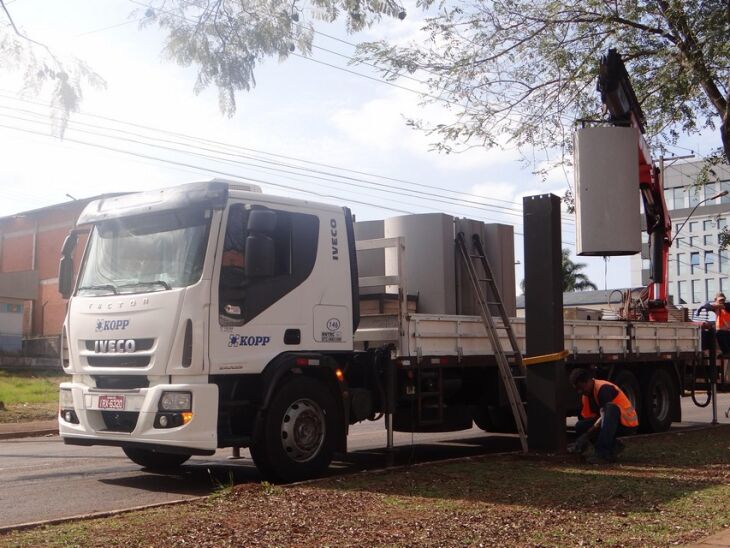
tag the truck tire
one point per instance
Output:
(296, 438)
(153, 460)
(659, 395)
(496, 419)
(629, 385)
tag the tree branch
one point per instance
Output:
(23, 36)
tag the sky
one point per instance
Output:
(301, 121)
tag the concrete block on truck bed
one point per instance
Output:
(429, 257)
(607, 191)
(498, 242)
(370, 262)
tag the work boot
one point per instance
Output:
(618, 448)
(597, 460)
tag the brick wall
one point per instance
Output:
(48, 227)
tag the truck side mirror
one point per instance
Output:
(260, 256)
(261, 220)
(66, 266)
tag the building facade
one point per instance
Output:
(698, 268)
(31, 309)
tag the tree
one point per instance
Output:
(573, 278)
(516, 70)
(525, 70)
(42, 69)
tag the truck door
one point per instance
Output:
(266, 293)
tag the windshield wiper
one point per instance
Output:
(152, 283)
(107, 287)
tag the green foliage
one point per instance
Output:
(573, 278)
(227, 39)
(45, 73)
(29, 387)
(524, 70)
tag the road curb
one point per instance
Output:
(28, 434)
(94, 515)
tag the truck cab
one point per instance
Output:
(192, 308)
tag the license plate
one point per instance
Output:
(111, 402)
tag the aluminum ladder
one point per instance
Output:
(510, 364)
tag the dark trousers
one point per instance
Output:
(611, 428)
(723, 341)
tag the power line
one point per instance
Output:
(225, 173)
(110, 27)
(300, 160)
(459, 201)
(390, 190)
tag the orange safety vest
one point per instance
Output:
(629, 419)
(722, 320)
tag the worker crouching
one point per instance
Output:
(605, 414)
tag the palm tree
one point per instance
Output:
(573, 278)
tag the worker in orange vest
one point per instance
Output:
(605, 413)
(722, 323)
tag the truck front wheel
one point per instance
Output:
(295, 440)
(153, 460)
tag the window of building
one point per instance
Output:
(710, 190)
(679, 242)
(723, 285)
(693, 226)
(669, 198)
(709, 289)
(679, 196)
(725, 185)
(722, 261)
(709, 261)
(708, 225)
(694, 261)
(721, 223)
(694, 197)
(708, 239)
(681, 258)
(681, 292)
(696, 291)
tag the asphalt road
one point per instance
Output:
(44, 479)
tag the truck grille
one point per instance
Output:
(122, 360)
(140, 344)
(121, 382)
(120, 421)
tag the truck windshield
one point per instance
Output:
(145, 253)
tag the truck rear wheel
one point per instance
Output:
(659, 393)
(296, 438)
(496, 419)
(153, 460)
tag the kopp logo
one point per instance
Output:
(111, 325)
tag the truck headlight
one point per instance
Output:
(176, 401)
(66, 399)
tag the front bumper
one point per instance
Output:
(199, 436)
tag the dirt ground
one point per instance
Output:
(669, 489)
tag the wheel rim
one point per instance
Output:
(303, 429)
(660, 401)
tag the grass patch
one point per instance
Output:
(670, 489)
(29, 396)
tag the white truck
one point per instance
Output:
(211, 315)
